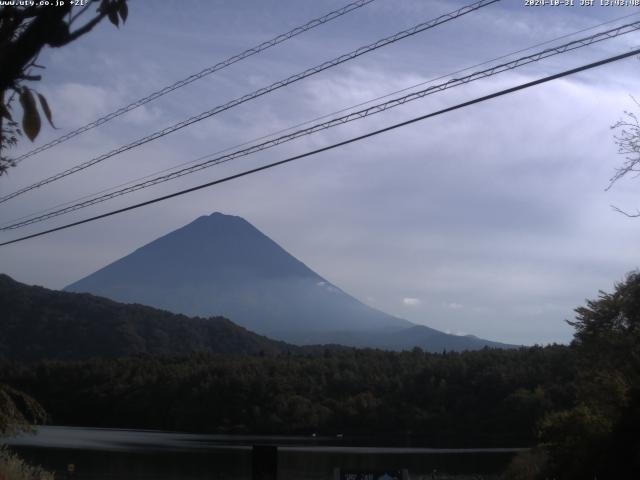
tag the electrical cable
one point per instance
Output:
(372, 110)
(197, 76)
(322, 117)
(333, 146)
(274, 86)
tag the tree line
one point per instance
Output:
(577, 406)
(481, 398)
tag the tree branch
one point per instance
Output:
(19, 53)
(626, 214)
(80, 12)
(84, 29)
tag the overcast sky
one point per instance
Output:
(492, 220)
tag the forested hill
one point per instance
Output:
(37, 323)
(488, 397)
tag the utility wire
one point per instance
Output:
(335, 145)
(322, 117)
(274, 86)
(372, 110)
(197, 76)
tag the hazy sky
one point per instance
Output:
(492, 220)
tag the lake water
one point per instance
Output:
(107, 454)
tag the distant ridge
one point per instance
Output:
(37, 323)
(222, 265)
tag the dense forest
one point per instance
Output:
(577, 405)
(488, 397)
(39, 323)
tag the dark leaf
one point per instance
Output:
(30, 117)
(123, 9)
(45, 108)
(113, 17)
(4, 112)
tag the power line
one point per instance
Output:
(335, 145)
(322, 117)
(274, 86)
(197, 76)
(372, 110)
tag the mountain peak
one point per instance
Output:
(222, 215)
(219, 217)
(222, 265)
